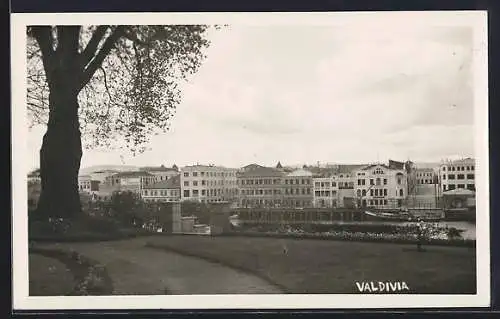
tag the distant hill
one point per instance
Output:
(96, 168)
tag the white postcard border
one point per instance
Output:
(21, 300)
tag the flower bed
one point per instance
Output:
(90, 277)
(403, 237)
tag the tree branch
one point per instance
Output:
(96, 62)
(43, 36)
(91, 48)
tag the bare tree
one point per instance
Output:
(111, 83)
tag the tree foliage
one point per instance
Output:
(129, 77)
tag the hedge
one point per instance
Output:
(91, 278)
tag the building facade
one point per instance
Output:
(163, 191)
(133, 181)
(298, 189)
(458, 174)
(325, 192)
(426, 176)
(208, 184)
(260, 186)
(380, 186)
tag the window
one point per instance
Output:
(186, 174)
(186, 193)
(195, 193)
(303, 191)
(470, 176)
(400, 192)
(471, 187)
(385, 201)
(309, 191)
(444, 176)
(444, 168)
(145, 193)
(202, 174)
(385, 192)
(203, 192)
(303, 181)
(195, 183)
(460, 176)
(472, 168)
(363, 192)
(371, 181)
(461, 185)
(203, 182)
(444, 188)
(378, 181)
(195, 174)
(359, 182)
(451, 176)
(186, 183)
(316, 184)
(385, 181)
(371, 192)
(376, 192)
(451, 187)
(334, 184)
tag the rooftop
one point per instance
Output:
(257, 170)
(161, 168)
(300, 172)
(467, 160)
(173, 182)
(132, 174)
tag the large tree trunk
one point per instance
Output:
(61, 152)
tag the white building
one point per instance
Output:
(458, 174)
(102, 175)
(380, 186)
(208, 184)
(133, 181)
(34, 177)
(325, 192)
(163, 191)
(84, 183)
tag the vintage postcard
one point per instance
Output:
(250, 160)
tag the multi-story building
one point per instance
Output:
(162, 173)
(260, 186)
(426, 176)
(458, 174)
(208, 184)
(325, 192)
(298, 189)
(163, 191)
(34, 176)
(87, 185)
(380, 186)
(133, 181)
(345, 184)
(102, 175)
(426, 191)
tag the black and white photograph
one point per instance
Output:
(250, 160)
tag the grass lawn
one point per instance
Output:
(322, 266)
(49, 277)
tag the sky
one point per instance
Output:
(308, 94)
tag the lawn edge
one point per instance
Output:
(81, 267)
(282, 288)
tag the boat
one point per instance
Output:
(398, 215)
(402, 216)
